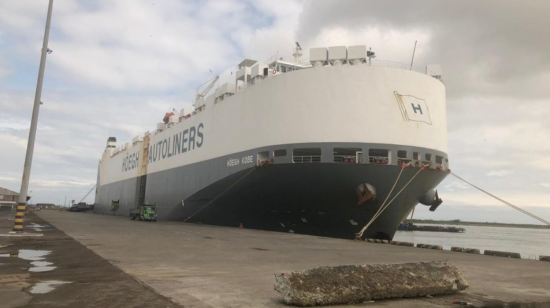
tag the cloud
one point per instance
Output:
(116, 68)
(493, 53)
(477, 198)
(499, 173)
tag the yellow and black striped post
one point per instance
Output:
(18, 224)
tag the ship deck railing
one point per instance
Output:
(380, 63)
(400, 65)
(347, 159)
(307, 159)
(379, 160)
(401, 161)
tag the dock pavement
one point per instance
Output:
(195, 265)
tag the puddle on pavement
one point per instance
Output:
(33, 255)
(29, 255)
(38, 227)
(41, 266)
(39, 269)
(37, 257)
(41, 263)
(46, 286)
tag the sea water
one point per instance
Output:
(530, 243)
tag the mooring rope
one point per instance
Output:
(384, 206)
(223, 192)
(503, 201)
(391, 190)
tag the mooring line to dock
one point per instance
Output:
(223, 192)
(384, 206)
(503, 201)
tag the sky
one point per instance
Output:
(117, 66)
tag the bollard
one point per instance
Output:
(505, 254)
(18, 221)
(544, 258)
(472, 250)
(458, 249)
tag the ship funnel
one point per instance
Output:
(111, 142)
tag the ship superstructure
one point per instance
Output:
(310, 148)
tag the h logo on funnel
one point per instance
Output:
(413, 108)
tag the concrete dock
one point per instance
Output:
(207, 266)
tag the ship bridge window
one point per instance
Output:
(379, 156)
(348, 155)
(416, 156)
(306, 155)
(279, 153)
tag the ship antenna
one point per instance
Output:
(297, 53)
(413, 55)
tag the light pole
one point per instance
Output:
(18, 225)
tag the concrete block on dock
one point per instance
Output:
(505, 254)
(408, 244)
(472, 250)
(370, 240)
(458, 249)
(352, 284)
(544, 258)
(429, 246)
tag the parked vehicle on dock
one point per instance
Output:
(81, 207)
(146, 212)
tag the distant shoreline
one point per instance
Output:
(471, 223)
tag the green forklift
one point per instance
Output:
(145, 212)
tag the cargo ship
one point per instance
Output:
(322, 147)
